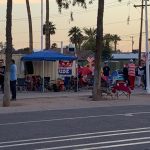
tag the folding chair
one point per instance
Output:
(121, 88)
(21, 84)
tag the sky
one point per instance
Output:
(115, 22)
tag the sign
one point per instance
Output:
(65, 71)
(71, 48)
(65, 67)
(90, 59)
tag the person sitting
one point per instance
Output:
(106, 71)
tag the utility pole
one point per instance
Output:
(132, 42)
(146, 42)
(147, 50)
(141, 28)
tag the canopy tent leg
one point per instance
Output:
(77, 75)
(43, 76)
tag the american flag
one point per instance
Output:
(90, 59)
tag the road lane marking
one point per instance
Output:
(73, 139)
(73, 118)
(101, 143)
(146, 129)
(112, 146)
(129, 115)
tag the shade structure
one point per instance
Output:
(47, 55)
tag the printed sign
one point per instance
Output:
(65, 68)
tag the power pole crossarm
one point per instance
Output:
(140, 5)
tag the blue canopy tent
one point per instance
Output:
(47, 55)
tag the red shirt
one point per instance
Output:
(131, 69)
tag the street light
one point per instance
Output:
(147, 50)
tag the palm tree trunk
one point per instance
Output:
(47, 35)
(115, 45)
(8, 53)
(30, 27)
(99, 48)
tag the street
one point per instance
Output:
(111, 128)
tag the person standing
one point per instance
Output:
(125, 73)
(13, 79)
(144, 75)
(139, 75)
(2, 74)
(131, 74)
(106, 71)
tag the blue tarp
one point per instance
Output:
(47, 55)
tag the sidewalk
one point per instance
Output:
(36, 101)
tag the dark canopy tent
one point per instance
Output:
(47, 55)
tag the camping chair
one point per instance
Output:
(21, 84)
(105, 88)
(121, 89)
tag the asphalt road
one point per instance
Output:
(111, 128)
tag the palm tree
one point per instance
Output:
(89, 39)
(8, 53)
(99, 48)
(89, 33)
(116, 38)
(30, 27)
(54, 46)
(108, 39)
(80, 39)
(51, 28)
(75, 34)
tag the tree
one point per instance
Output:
(51, 28)
(99, 41)
(80, 39)
(89, 39)
(115, 39)
(54, 46)
(108, 39)
(8, 53)
(106, 53)
(30, 27)
(99, 48)
(76, 36)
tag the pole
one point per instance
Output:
(140, 38)
(132, 42)
(141, 27)
(62, 47)
(42, 39)
(147, 50)
(76, 67)
(41, 25)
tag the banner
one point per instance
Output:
(65, 67)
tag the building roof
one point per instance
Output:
(125, 56)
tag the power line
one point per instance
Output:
(64, 15)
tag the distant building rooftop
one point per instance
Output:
(125, 56)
